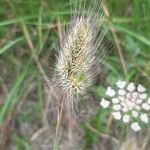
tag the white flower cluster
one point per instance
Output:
(129, 103)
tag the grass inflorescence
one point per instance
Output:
(77, 63)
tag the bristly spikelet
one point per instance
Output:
(77, 62)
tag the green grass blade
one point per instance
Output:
(133, 34)
(10, 44)
(13, 21)
(12, 97)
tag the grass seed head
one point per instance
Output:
(77, 62)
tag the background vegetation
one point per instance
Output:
(29, 40)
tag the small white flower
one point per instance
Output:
(135, 114)
(126, 118)
(130, 105)
(137, 107)
(148, 101)
(116, 107)
(123, 104)
(121, 92)
(143, 96)
(146, 106)
(121, 98)
(139, 101)
(144, 118)
(135, 126)
(141, 88)
(129, 95)
(116, 115)
(131, 87)
(121, 84)
(110, 92)
(104, 103)
(115, 100)
(134, 95)
(125, 109)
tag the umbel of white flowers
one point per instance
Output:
(129, 103)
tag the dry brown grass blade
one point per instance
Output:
(130, 144)
(31, 46)
(59, 117)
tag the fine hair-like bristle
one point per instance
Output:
(77, 62)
